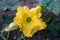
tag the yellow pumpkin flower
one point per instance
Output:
(29, 20)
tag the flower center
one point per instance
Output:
(28, 19)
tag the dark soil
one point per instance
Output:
(40, 35)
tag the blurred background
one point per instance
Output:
(8, 11)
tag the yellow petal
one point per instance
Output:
(39, 23)
(25, 8)
(35, 12)
(19, 9)
(38, 10)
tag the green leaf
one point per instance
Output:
(43, 7)
(3, 38)
(53, 5)
(3, 28)
(8, 35)
(8, 19)
(9, 4)
(16, 5)
(55, 27)
(22, 37)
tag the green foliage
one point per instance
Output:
(10, 4)
(16, 5)
(53, 5)
(52, 24)
(8, 19)
(43, 7)
(2, 31)
(3, 28)
(54, 27)
(22, 37)
(47, 17)
(3, 37)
